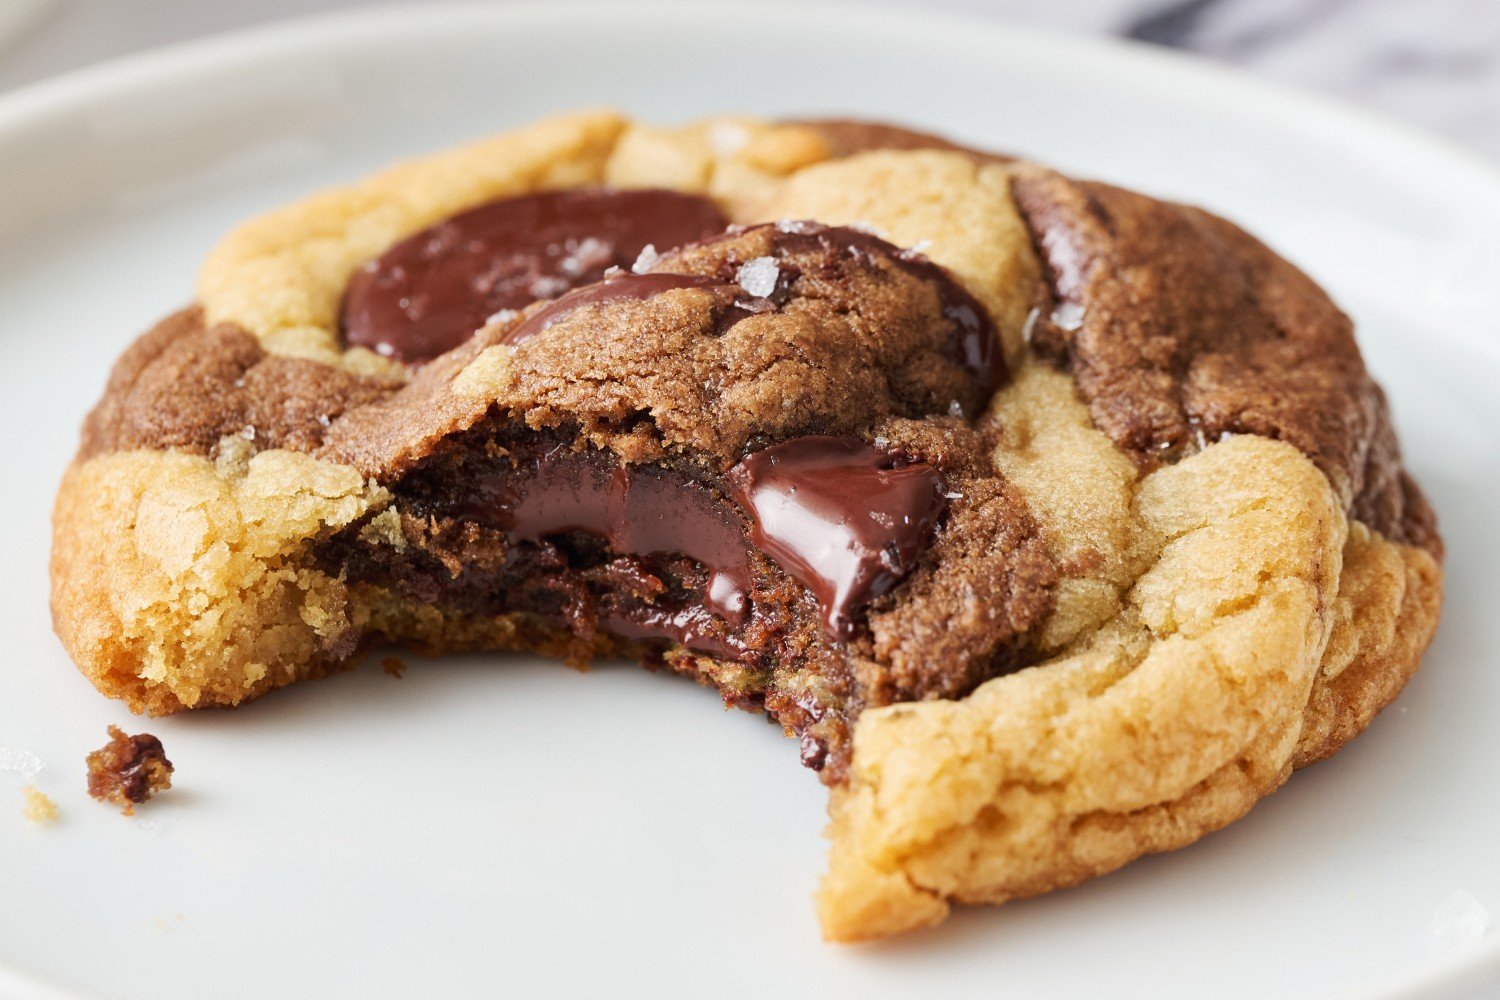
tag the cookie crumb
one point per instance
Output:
(128, 770)
(38, 808)
(393, 666)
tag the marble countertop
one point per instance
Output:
(1435, 63)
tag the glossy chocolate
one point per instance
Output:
(637, 510)
(430, 292)
(845, 519)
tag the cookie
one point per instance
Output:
(1056, 523)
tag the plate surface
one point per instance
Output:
(493, 824)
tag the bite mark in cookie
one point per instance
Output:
(638, 466)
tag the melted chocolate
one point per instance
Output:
(845, 519)
(430, 292)
(637, 510)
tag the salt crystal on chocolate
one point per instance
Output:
(646, 260)
(547, 286)
(1068, 316)
(586, 255)
(758, 277)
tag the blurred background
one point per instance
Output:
(1434, 63)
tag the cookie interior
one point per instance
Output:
(745, 541)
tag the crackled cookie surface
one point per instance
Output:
(1058, 524)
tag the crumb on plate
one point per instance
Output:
(38, 808)
(128, 769)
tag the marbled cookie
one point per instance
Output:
(1058, 524)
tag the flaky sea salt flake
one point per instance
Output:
(758, 277)
(547, 286)
(587, 254)
(646, 260)
(1067, 315)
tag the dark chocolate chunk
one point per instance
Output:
(635, 509)
(846, 519)
(430, 292)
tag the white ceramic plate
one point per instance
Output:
(493, 825)
(17, 17)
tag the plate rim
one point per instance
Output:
(21, 106)
(230, 51)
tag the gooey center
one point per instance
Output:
(770, 568)
(844, 519)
